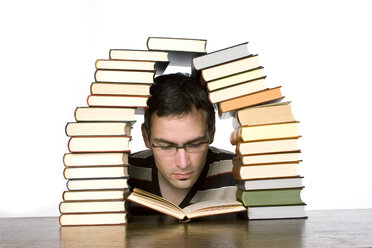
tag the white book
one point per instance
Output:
(290, 182)
(276, 212)
(221, 56)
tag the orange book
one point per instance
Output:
(253, 99)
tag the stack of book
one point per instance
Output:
(96, 165)
(265, 132)
(235, 79)
(181, 52)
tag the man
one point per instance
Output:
(179, 126)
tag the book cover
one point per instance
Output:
(115, 64)
(95, 172)
(127, 101)
(261, 171)
(98, 129)
(270, 183)
(92, 219)
(124, 76)
(235, 79)
(277, 212)
(230, 68)
(97, 183)
(90, 195)
(95, 159)
(105, 114)
(265, 132)
(270, 197)
(267, 146)
(92, 206)
(264, 96)
(176, 44)
(138, 89)
(264, 114)
(237, 90)
(144, 55)
(99, 144)
(221, 56)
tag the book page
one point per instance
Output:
(156, 202)
(213, 207)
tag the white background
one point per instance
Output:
(319, 51)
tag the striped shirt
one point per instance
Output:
(214, 183)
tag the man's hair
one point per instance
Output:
(177, 94)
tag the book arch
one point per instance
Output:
(264, 130)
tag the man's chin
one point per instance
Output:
(183, 184)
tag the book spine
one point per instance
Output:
(236, 171)
(235, 136)
(237, 161)
(91, 88)
(235, 121)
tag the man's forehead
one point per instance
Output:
(180, 128)
(199, 114)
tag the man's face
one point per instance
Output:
(181, 170)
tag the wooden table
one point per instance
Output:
(323, 228)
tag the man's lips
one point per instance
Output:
(182, 176)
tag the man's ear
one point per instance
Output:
(145, 136)
(211, 138)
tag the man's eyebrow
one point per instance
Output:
(188, 142)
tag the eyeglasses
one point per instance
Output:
(170, 150)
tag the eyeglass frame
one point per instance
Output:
(181, 147)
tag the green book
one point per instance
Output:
(272, 197)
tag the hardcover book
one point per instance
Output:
(249, 100)
(92, 219)
(237, 90)
(88, 195)
(230, 68)
(267, 147)
(98, 129)
(263, 114)
(104, 114)
(139, 89)
(277, 212)
(95, 172)
(99, 144)
(95, 158)
(97, 183)
(92, 206)
(261, 171)
(117, 101)
(135, 65)
(265, 132)
(271, 183)
(128, 54)
(177, 44)
(235, 79)
(121, 76)
(221, 56)
(270, 197)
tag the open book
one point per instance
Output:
(199, 209)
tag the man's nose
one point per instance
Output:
(182, 158)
